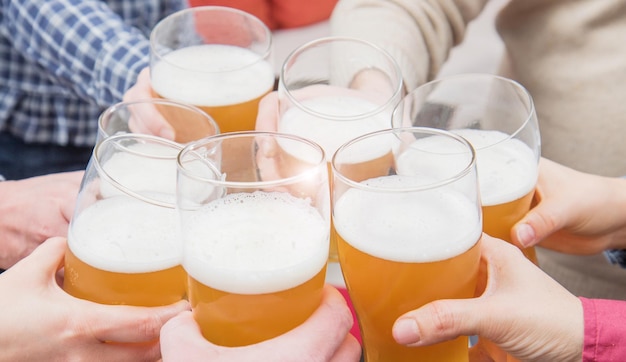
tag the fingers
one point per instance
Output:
(438, 321)
(350, 350)
(120, 352)
(322, 334)
(444, 320)
(267, 117)
(182, 333)
(126, 324)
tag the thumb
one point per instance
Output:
(436, 322)
(541, 221)
(182, 333)
(45, 260)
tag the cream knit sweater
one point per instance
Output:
(570, 55)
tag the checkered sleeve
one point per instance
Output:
(82, 44)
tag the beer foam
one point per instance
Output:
(255, 243)
(212, 75)
(411, 227)
(338, 128)
(125, 235)
(507, 167)
(435, 157)
(145, 168)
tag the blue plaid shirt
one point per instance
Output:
(63, 61)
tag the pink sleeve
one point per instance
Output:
(605, 330)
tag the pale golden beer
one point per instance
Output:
(225, 81)
(346, 117)
(321, 99)
(215, 57)
(408, 237)
(507, 173)
(255, 251)
(122, 240)
(497, 115)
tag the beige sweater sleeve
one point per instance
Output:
(419, 34)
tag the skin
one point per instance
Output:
(157, 126)
(573, 212)
(22, 228)
(58, 327)
(323, 337)
(522, 310)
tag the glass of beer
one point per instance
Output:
(408, 236)
(188, 122)
(334, 89)
(255, 247)
(216, 58)
(497, 116)
(123, 242)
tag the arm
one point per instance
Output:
(40, 322)
(576, 212)
(84, 45)
(33, 210)
(323, 337)
(418, 34)
(605, 329)
(522, 310)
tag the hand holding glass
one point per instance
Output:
(406, 236)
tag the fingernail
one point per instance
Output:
(405, 331)
(525, 234)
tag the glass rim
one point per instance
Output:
(192, 146)
(531, 111)
(108, 113)
(104, 174)
(329, 39)
(422, 130)
(262, 56)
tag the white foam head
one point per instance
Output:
(341, 125)
(254, 243)
(411, 227)
(212, 75)
(507, 167)
(126, 235)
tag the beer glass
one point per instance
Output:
(188, 122)
(334, 89)
(216, 58)
(255, 248)
(497, 116)
(406, 237)
(122, 239)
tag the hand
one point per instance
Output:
(575, 212)
(522, 310)
(33, 210)
(151, 121)
(40, 322)
(323, 337)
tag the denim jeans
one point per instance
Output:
(19, 159)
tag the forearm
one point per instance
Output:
(418, 34)
(84, 45)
